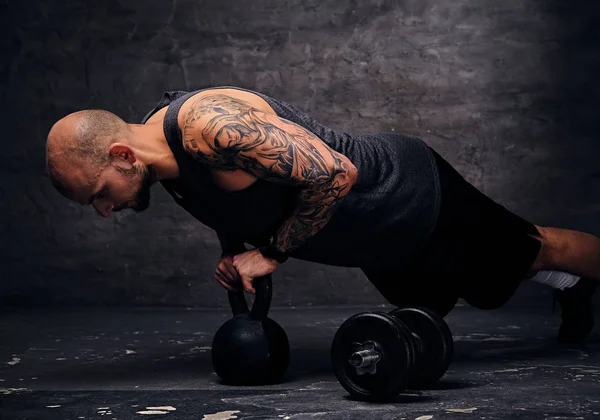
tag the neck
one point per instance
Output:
(152, 148)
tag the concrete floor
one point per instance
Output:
(132, 363)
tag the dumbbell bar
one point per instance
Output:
(376, 355)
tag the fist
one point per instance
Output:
(250, 265)
(227, 274)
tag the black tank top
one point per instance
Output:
(385, 219)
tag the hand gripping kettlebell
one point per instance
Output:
(251, 348)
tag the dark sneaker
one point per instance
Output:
(576, 311)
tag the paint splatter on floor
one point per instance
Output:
(157, 410)
(461, 410)
(222, 415)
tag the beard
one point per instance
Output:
(142, 197)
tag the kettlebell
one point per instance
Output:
(251, 348)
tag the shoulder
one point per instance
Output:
(231, 100)
(204, 112)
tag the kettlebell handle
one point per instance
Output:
(264, 292)
(262, 301)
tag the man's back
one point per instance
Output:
(389, 212)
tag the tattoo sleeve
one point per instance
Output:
(230, 134)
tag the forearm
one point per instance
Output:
(315, 207)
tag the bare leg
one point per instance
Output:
(570, 251)
(577, 253)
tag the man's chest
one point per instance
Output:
(236, 180)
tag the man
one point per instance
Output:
(260, 171)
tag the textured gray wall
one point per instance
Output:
(506, 91)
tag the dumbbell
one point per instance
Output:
(377, 355)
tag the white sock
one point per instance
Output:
(556, 279)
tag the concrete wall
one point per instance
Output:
(506, 91)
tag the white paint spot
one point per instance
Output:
(223, 415)
(53, 406)
(156, 410)
(14, 361)
(196, 349)
(60, 358)
(130, 352)
(461, 410)
(103, 408)
(8, 391)
(149, 412)
(424, 418)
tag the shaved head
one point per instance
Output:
(78, 144)
(90, 159)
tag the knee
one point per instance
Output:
(488, 299)
(486, 304)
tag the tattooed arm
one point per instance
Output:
(231, 134)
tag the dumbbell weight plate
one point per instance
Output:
(438, 345)
(392, 341)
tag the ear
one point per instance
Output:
(122, 151)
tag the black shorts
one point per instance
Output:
(479, 251)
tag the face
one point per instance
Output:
(119, 188)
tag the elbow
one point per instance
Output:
(351, 173)
(345, 179)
